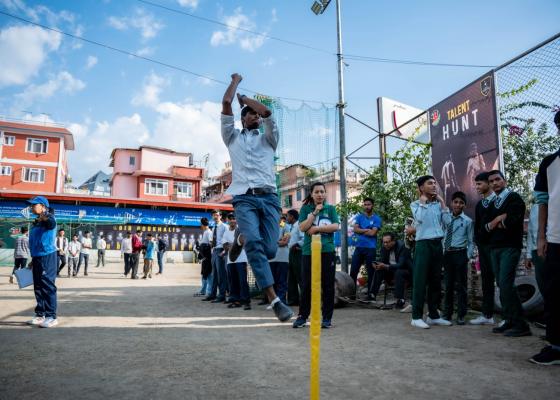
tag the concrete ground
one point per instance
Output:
(126, 339)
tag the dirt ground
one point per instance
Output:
(125, 339)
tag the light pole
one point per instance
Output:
(319, 8)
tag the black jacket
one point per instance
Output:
(402, 257)
(512, 235)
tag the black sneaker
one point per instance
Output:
(518, 331)
(218, 300)
(208, 298)
(282, 311)
(502, 327)
(399, 305)
(262, 303)
(236, 248)
(299, 322)
(547, 356)
(460, 321)
(326, 324)
(247, 307)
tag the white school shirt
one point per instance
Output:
(228, 238)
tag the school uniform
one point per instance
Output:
(428, 257)
(458, 246)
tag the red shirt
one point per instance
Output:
(136, 244)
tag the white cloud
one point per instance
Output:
(91, 62)
(188, 3)
(146, 23)
(151, 89)
(146, 51)
(95, 141)
(64, 82)
(206, 81)
(269, 62)
(191, 127)
(232, 35)
(28, 47)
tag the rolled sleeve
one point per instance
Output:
(270, 131)
(228, 128)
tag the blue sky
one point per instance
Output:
(108, 99)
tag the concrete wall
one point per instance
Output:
(125, 186)
(161, 161)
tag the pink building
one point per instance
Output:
(155, 173)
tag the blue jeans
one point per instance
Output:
(280, 274)
(361, 255)
(209, 284)
(239, 288)
(219, 275)
(160, 261)
(85, 259)
(44, 275)
(257, 217)
(203, 289)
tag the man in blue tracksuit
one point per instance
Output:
(44, 260)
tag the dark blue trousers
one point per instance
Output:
(44, 275)
(239, 288)
(219, 275)
(280, 274)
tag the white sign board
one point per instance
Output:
(393, 115)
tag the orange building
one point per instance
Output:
(154, 173)
(33, 157)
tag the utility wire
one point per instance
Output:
(353, 57)
(152, 60)
(213, 21)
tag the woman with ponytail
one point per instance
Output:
(318, 217)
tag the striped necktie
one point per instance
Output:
(449, 235)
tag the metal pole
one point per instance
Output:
(342, 138)
(382, 139)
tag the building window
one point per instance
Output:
(6, 170)
(288, 201)
(37, 146)
(156, 186)
(183, 189)
(9, 140)
(298, 194)
(132, 160)
(33, 175)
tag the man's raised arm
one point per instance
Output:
(230, 94)
(259, 107)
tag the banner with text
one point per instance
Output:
(464, 136)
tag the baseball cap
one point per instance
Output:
(39, 200)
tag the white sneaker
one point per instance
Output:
(482, 320)
(407, 309)
(419, 323)
(36, 320)
(438, 321)
(49, 323)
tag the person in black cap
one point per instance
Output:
(44, 261)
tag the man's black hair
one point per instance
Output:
(246, 110)
(204, 221)
(231, 216)
(420, 181)
(24, 229)
(496, 172)
(368, 199)
(61, 230)
(128, 233)
(294, 214)
(557, 117)
(391, 235)
(459, 195)
(482, 177)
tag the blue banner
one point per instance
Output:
(107, 215)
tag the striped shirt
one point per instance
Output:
(22, 247)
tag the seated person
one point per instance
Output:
(396, 264)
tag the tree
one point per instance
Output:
(393, 196)
(524, 141)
